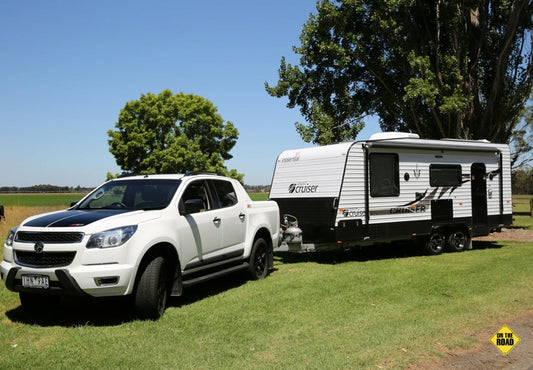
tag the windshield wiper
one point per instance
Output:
(152, 208)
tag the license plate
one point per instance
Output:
(35, 281)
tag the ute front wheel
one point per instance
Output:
(152, 290)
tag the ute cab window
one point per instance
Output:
(226, 196)
(196, 198)
(384, 175)
(201, 196)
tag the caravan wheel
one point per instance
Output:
(435, 243)
(458, 241)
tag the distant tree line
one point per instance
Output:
(522, 183)
(522, 180)
(44, 189)
(257, 188)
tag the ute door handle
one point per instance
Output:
(216, 220)
(242, 216)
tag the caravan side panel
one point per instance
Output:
(351, 213)
(480, 199)
(507, 198)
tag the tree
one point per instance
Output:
(169, 133)
(455, 68)
(522, 180)
(522, 140)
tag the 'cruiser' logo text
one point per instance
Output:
(298, 188)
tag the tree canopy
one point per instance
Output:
(455, 68)
(522, 140)
(169, 133)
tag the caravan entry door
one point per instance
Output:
(479, 199)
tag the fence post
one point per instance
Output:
(531, 207)
(2, 214)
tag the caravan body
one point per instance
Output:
(393, 187)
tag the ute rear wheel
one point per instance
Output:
(152, 290)
(458, 241)
(259, 257)
(435, 243)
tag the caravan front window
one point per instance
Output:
(384, 178)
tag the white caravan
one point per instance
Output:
(394, 186)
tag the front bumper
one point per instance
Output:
(95, 281)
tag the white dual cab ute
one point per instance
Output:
(145, 236)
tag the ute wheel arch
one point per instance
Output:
(261, 259)
(165, 250)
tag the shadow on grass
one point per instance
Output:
(71, 312)
(483, 244)
(379, 251)
(77, 311)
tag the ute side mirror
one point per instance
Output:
(191, 206)
(2, 214)
(73, 203)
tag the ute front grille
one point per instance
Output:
(49, 237)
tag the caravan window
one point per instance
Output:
(384, 178)
(445, 175)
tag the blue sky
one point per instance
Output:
(68, 67)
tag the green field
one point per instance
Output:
(380, 307)
(522, 211)
(52, 200)
(39, 200)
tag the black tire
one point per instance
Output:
(458, 241)
(435, 243)
(38, 302)
(258, 268)
(152, 290)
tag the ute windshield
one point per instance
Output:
(145, 194)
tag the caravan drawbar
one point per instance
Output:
(391, 187)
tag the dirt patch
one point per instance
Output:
(484, 355)
(513, 235)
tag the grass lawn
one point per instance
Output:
(522, 211)
(386, 306)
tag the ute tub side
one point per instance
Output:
(262, 215)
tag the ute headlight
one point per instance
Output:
(11, 236)
(111, 238)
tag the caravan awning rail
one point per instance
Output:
(447, 145)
